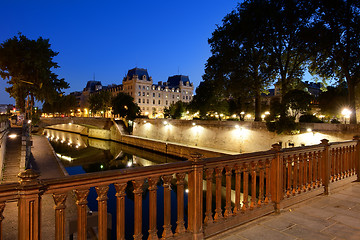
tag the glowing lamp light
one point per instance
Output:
(101, 166)
(187, 190)
(194, 124)
(346, 112)
(144, 121)
(165, 122)
(267, 113)
(237, 126)
(12, 136)
(248, 115)
(263, 116)
(242, 113)
(309, 130)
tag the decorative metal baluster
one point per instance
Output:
(180, 223)
(59, 200)
(167, 233)
(102, 210)
(228, 211)
(261, 184)
(237, 207)
(152, 208)
(209, 179)
(120, 210)
(245, 187)
(218, 211)
(138, 184)
(253, 185)
(81, 202)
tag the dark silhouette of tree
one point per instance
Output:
(62, 104)
(175, 110)
(339, 41)
(297, 102)
(100, 101)
(123, 105)
(28, 65)
(333, 100)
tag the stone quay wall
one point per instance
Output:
(238, 137)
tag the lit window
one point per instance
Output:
(147, 94)
(139, 93)
(143, 93)
(147, 88)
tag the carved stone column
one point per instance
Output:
(81, 202)
(138, 208)
(59, 200)
(102, 210)
(120, 210)
(167, 233)
(152, 208)
(180, 224)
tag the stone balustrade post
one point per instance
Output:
(195, 196)
(29, 206)
(326, 166)
(357, 157)
(277, 177)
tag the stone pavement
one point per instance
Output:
(336, 216)
(46, 163)
(12, 156)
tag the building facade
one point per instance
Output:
(151, 98)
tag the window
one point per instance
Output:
(166, 103)
(159, 95)
(139, 100)
(143, 100)
(143, 87)
(159, 102)
(166, 96)
(139, 87)
(147, 87)
(147, 94)
(153, 94)
(143, 93)
(173, 96)
(143, 108)
(147, 101)
(139, 93)
(183, 97)
(153, 101)
(186, 97)
(177, 97)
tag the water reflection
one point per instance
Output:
(95, 155)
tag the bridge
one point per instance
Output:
(256, 184)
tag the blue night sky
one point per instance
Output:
(107, 38)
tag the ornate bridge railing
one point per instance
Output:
(209, 195)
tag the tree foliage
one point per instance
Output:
(339, 41)
(100, 101)
(175, 110)
(28, 66)
(333, 100)
(62, 104)
(297, 102)
(123, 105)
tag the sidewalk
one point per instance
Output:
(336, 216)
(46, 163)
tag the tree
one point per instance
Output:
(123, 105)
(339, 41)
(100, 101)
(62, 104)
(175, 110)
(333, 100)
(297, 102)
(27, 65)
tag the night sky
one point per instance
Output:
(107, 38)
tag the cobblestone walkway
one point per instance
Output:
(336, 216)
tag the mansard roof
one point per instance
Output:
(140, 72)
(174, 81)
(91, 85)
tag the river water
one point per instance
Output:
(80, 154)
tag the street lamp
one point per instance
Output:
(346, 113)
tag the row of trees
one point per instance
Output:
(264, 41)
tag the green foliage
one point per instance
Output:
(338, 45)
(309, 118)
(334, 121)
(283, 125)
(332, 101)
(28, 65)
(123, 105)
(61, 104)
(297, 102)
(100, 101)
(176, 110)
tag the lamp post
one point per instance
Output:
(346, 113)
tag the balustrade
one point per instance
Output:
(242, 186)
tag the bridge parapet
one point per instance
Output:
(102, 123)
(255, 184)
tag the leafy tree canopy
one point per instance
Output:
(100, 101)
(175, 110)
(62, 104)
(123, 105)
(28, 65)
(297, 102)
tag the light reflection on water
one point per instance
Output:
(80, 154)
(95, 155)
